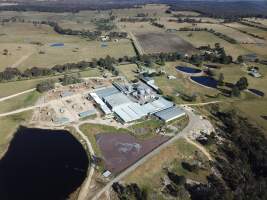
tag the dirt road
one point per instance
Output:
(86, 185)
(200, 147)
(21, 60)
(17, 94)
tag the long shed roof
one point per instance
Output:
(170, 114)
(130, 112)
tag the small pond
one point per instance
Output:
(57, 45)
(205, 81)
(256, 92)
(189, 70)
(42, 164)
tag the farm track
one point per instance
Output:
(17, 94)
(21, 60)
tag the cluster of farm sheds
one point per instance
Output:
(116, 100)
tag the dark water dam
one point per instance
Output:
(42, 165)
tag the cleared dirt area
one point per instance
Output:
(164, 42)
(122, 150)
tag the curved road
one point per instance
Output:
(83, 192)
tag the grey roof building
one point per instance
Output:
(117, 99)
(170, 114)
(102, 93)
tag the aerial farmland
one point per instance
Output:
(132, 101)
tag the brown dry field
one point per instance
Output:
(122, 150)
(164, 42)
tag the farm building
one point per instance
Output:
(116, 100)
(61, 120)
(105, 92)
(129, 112)
(101, 104)
(150, 82)
(87, 113)
(157, 105)
(170, 114)
(254, 72)
(126, 108)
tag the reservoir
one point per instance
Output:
(42, 164)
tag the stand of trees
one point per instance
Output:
(254, 24)
(137, 19)
(14, 73)
(241, 159)
(158, 25)
(45, 86)
(131, 191)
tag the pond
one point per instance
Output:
(42, 164)
(57, 45)
(205, 81)
(256, 92)
(189, 70)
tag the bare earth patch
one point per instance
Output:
(164, 42)
(122, 150)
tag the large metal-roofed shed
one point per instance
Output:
(87, 113)
(116, 100)
(170, 114)
(105, 92)
(101, 104)
(157, 105)
(129, 112)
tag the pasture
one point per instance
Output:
(18, 102)
(181, 84)
(202, 38)
(235, 34)
(248, 29)
(8, 126)
(29, 46)
(129, 71)
(255, 110)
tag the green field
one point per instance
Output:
(129, 71)
(181, 84)
(18, 102)
(20, 40)
(8, 126)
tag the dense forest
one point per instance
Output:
(229, 9)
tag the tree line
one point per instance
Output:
(210, 30)
(108, 63)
